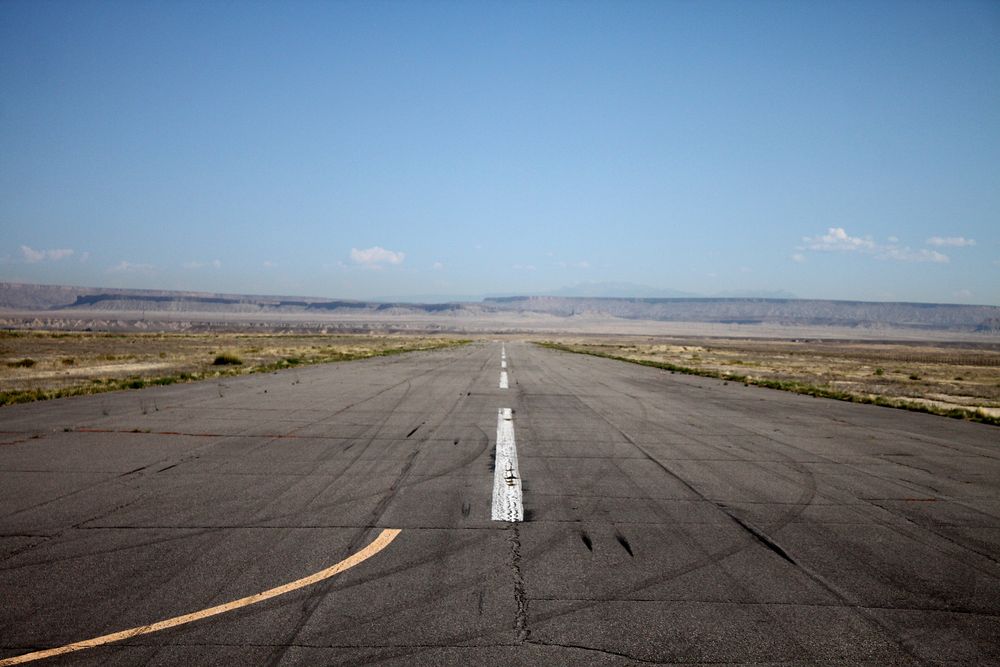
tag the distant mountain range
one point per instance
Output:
(618, 290)
(621, 290)
(811, 312)
(728, 310)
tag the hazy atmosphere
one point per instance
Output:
(453, 150)
(528, 332)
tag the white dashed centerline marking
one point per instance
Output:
(503, 380)
(506, 477)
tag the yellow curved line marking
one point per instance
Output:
(379, 543)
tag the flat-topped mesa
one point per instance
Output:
(860, 315)
(813, 312)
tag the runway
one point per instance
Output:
(664, 519)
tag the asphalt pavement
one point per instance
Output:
(666, 519)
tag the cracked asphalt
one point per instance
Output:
(668, 519)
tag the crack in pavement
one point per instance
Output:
(520, 596)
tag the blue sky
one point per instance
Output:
(846, 150)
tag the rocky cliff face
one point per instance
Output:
(771, 311)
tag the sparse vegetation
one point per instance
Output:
(36, 367)
(833, 370)
(227, 359)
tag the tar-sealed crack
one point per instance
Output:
(520, 596)
(762, 538)
(580, 647)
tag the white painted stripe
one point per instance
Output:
(503, 380)
(503, 363)
(506, 476)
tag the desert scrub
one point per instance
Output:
(818, 385)
(22, 363)
(103, 362)
(227, 359)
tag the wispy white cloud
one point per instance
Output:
(798, 257)
(215, 264)
(909, 255)
(837, 239)
(437, 266)
(523, 267)
(963, 294)
(951, 241)
(268, 264)
(376, 257)
(130, 267)
(32, 256)
(582, 264)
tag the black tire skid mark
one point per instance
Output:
(189, 534)
(755, 535)
(388, 653)
(898, 579)
(805, 497)
(901, 581)
(391, 653)
(194, 531)
(217, 533)
(317, 593)
(400, 484)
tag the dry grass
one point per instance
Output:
(66, 364)
(957, 379)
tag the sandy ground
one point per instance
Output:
(53, 360)
(506, 323)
